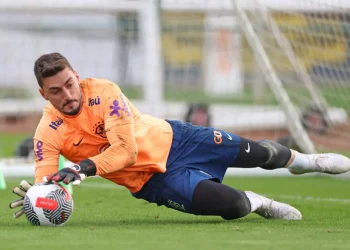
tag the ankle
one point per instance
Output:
(299, 160)
(256, 201)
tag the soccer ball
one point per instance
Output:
(48, 204)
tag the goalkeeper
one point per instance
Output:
(167, 162)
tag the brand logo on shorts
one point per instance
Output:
(248, 149)
(228, 136)
(176, 205)
(56, 124)
(217, 137)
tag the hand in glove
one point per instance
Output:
(75, 174)
(21, 191)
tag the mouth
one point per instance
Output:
(69, 104)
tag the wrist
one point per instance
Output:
(86, 167)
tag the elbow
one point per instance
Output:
(133, 154)
(133, 158)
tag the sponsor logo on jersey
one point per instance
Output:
(123, 106)
(56, 124)
(94, 101)
(39, 150)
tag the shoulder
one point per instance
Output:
(98, 91)
(98, 85)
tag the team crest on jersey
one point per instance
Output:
(99, 129)
(120, 106)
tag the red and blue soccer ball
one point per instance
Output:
(47, 204)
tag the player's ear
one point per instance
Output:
(76, 75)
(41, 91)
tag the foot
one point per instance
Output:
(324, 163)
(277, 210)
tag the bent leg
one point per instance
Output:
(212, 198)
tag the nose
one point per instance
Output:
(67, 94)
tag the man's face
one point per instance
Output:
(63, 91)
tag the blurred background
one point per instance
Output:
(260, 68)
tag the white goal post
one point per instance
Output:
(303, 53)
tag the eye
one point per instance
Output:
(69, 85)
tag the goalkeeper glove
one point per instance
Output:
(21, 191)
(75, 174)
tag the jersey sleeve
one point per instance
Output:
(46, 153)
(119, 127)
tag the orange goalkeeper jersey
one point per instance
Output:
(110, 131)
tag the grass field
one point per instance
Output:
(8, 143)
(107, 217)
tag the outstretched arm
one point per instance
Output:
(119, 128)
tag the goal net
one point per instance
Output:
(264, 70)
(306, 43)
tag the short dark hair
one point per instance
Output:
(49, 65)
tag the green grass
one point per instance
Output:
(108, 217)
(338, 96)
(8, 143)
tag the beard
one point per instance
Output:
(73, 111)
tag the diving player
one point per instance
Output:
(167, 162)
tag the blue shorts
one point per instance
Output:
(197, 153)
